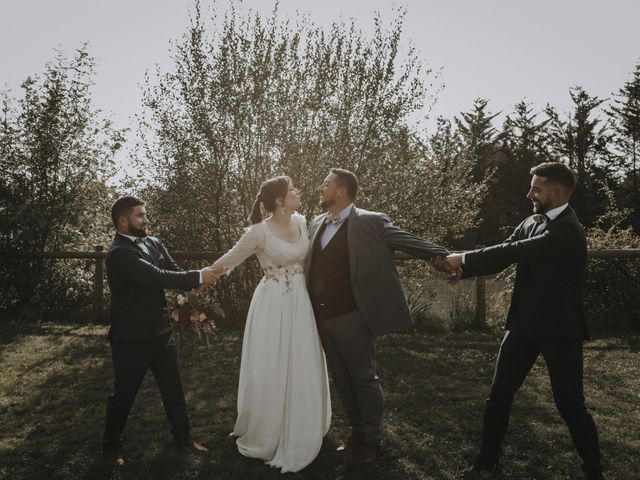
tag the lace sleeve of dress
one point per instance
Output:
(251, 241)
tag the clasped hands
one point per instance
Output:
(451, 265)
(210, 275)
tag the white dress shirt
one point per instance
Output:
(332, 228)
(139, 241)
(554, 212)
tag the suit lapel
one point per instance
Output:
(536, 229)
(563, 214)
(315, 229)
(153, 251)
(352, 242)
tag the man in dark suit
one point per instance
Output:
(139, 268)
(357, 295)
(546, 315)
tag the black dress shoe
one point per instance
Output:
(593, 472)
(365, 453)
(113, 456)
(480, 471)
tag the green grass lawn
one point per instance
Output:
(55, 380)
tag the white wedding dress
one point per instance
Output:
(284, 406)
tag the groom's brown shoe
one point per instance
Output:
(191, 446)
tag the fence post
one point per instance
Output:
(98, 286)
(481, 300)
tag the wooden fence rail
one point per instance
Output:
(99, 255)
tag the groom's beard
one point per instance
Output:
(540, 208)
(138, 232)
(326, 204)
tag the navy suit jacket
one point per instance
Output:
(137, 281)
(547, 301)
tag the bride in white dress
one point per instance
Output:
(284, 406)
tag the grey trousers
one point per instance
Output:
(350, 348)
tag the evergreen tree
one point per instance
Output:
(523, 142)
(581, 141)
(479, 137)
(624, 114)
(443, 183)
(480, 142)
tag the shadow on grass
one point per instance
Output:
(55, 421)
(435, 388)
(435, 393)
(13, 332)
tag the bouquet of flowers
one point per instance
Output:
(194, 313)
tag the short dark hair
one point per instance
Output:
(557, 173)
(122, 207)
(347, 179)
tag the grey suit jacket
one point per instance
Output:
(377, 288)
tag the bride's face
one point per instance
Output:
(292, 199)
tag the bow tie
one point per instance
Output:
(139, 240)
(332, 219)
(540, 218)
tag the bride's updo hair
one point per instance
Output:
(276, 187)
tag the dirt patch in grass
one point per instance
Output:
(56, 379)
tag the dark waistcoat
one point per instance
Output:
(330, 276)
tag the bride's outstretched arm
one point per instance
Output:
(251, 241)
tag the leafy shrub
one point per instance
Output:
(612, 287)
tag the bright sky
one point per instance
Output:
(502, 50)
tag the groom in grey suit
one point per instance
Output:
(357, 295)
